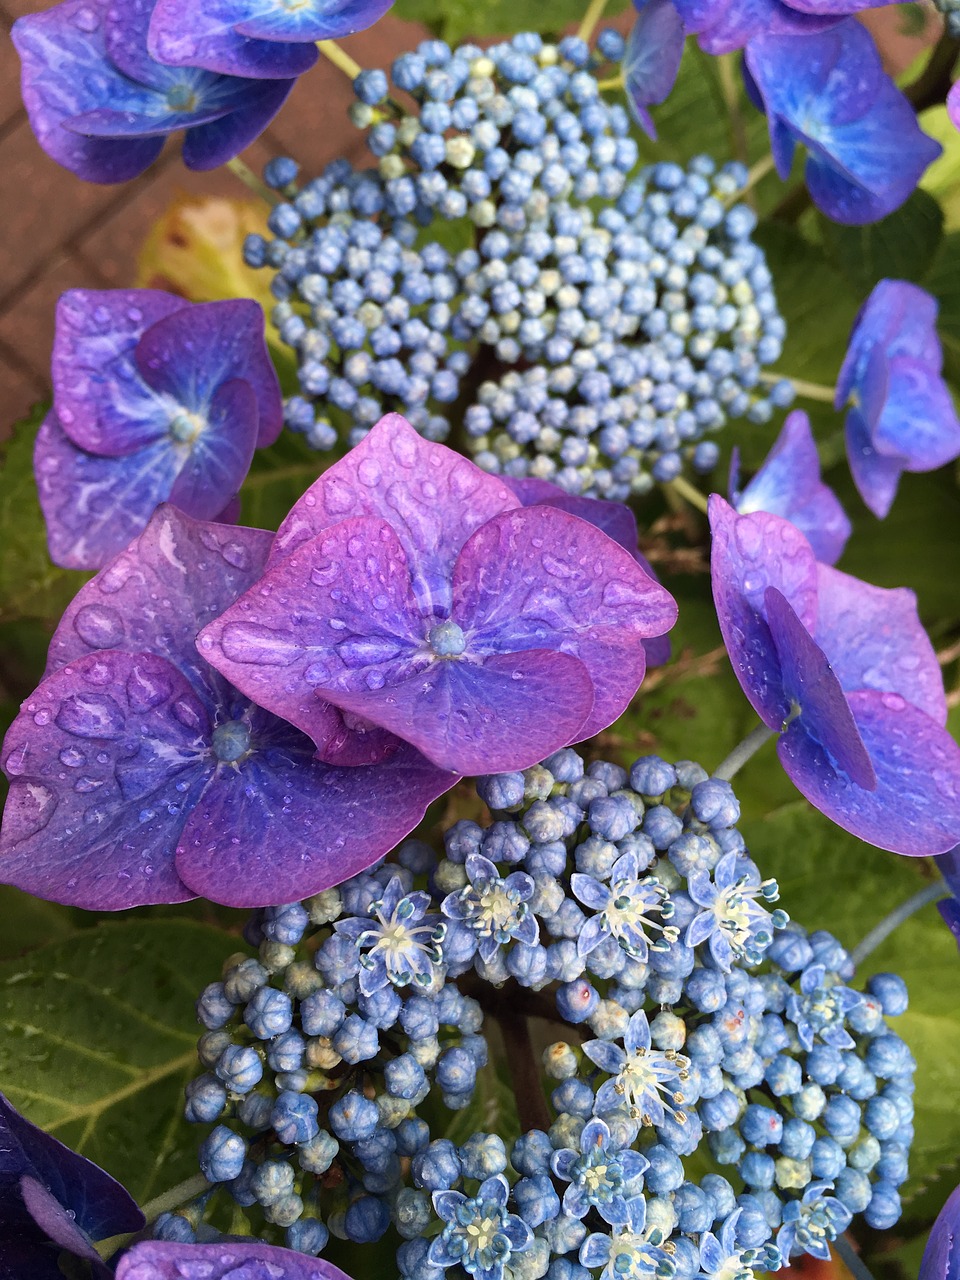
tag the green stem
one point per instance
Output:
(684, 489)
(851, 1259)
(172, 1199)
(615, 82)
(591, 18)
(739, 756)
(929, 893)
(729, 87)
(250, 179)
(339, 57)
(806, 390)
(756, 174)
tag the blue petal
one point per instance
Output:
(917, 421)
(876, 475)
(318, 20)
(210, 145)
(221, 455)
(201, 33)
(607, 1055)
(652, 59)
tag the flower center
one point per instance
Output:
(181, 97)
(648, 1072)
(185, 427)
(446, 640)
(231, 741)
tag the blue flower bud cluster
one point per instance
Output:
(695, 1018)
(598, 347)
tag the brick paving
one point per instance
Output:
(61, 233)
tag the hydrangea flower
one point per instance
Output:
(53, 1199)
(625, 909)
(401, 942)
(901, 415)
(155, 399)
(737, 927)
(258, 38)
(138, 774)
(722, 26)
(412, 590)
(866, 152)
(940, 1259)
(652, 58)
(845, 672)
(819, 1010)
(479, 1234)
(603, 1175)
(722, 1257)
(163, 1260)
(809, 1224)
(788, 484)
(628, 1251)
(648, 1080)
(101, 106)
(494, 908)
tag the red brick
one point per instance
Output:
(19, 392)
(26, 327)
(10, 104)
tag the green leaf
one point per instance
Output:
(99, 1039)
(29, 922)
(942, 178)
(453, 20)
(901, 246)
(31, 586)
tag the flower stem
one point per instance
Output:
(684, 489)
(851, 1259)
(250, 179)
(615, 82)
(152, 1210)
(929, 893)
(340, 58)
(806, 390)
(756, 174)
(591, 18)
(524, 1072)
(739, 756)
(727, 68)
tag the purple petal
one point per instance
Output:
(811, 686)
(940, 1257)
(539, 578)
(504, 713)
(749, 554)
(100, 401)
(156, 595)
(900, 319)
(949, 909)
(200, 33)
(226, 1260)
(732, 24)
(207, 146)
(66, 72)
(220, 456)
(874, 639)
(56, 1222)
(317, 20)
(789, 485)
(105, 761)
(915, 809)
(149, 121)
(192, 352)
(953, 105)
(434, 499)
(918, 421)
(876, 475)
(652, 59)
(306, 828)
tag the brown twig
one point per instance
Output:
(933, 83)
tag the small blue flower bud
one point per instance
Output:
(222, 1154)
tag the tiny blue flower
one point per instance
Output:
(820, 1009)
(737, 926)
(722, 1259)
(811, 1223)
(646, 1079)
(494, 908)
(601, 1174)
(629, 1252)
(480, 1235)
(625, 907)
(402, 942)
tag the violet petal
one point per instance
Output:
(219, 457)
(876, 475)
(200, 33)
(918, 421)
(652, 59)
(915, 809)
(874, 639)
(317, 20)
(207, 146)
(226, 1260)
(900, 319)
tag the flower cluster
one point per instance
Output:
(620, 903)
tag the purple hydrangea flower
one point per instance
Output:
(479, 1234)
(227, 1260)
(53, 1199)
(722, 26)
(625, 908)
(647, 1080)
(258, 38)
(818, 1011)
(494, 908)
(602, 1174)
(652, 58)
(412, 590)
(811, 1223)
(154, 399)
(941, 1258)
(138, 774)
(101, 106)
(789, 485)
(846, 673)
(628, 1251)
(901, 416)
(401, 942)
(721, 1256)
(737, 927)
(866, 152)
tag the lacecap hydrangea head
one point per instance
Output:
(690, 1017)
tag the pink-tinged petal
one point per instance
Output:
(105, 759)
(226, 1260)
(305, 827)
(749, 554)
(915, 808)
(154, 597)
(874, 639)
(190, 353)
(876, 475)
(814, 691)
(98, 395)
(504, 712)
(336, 613)
(433, 498)
(953, 105)
(221, 453)
(540, 578)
